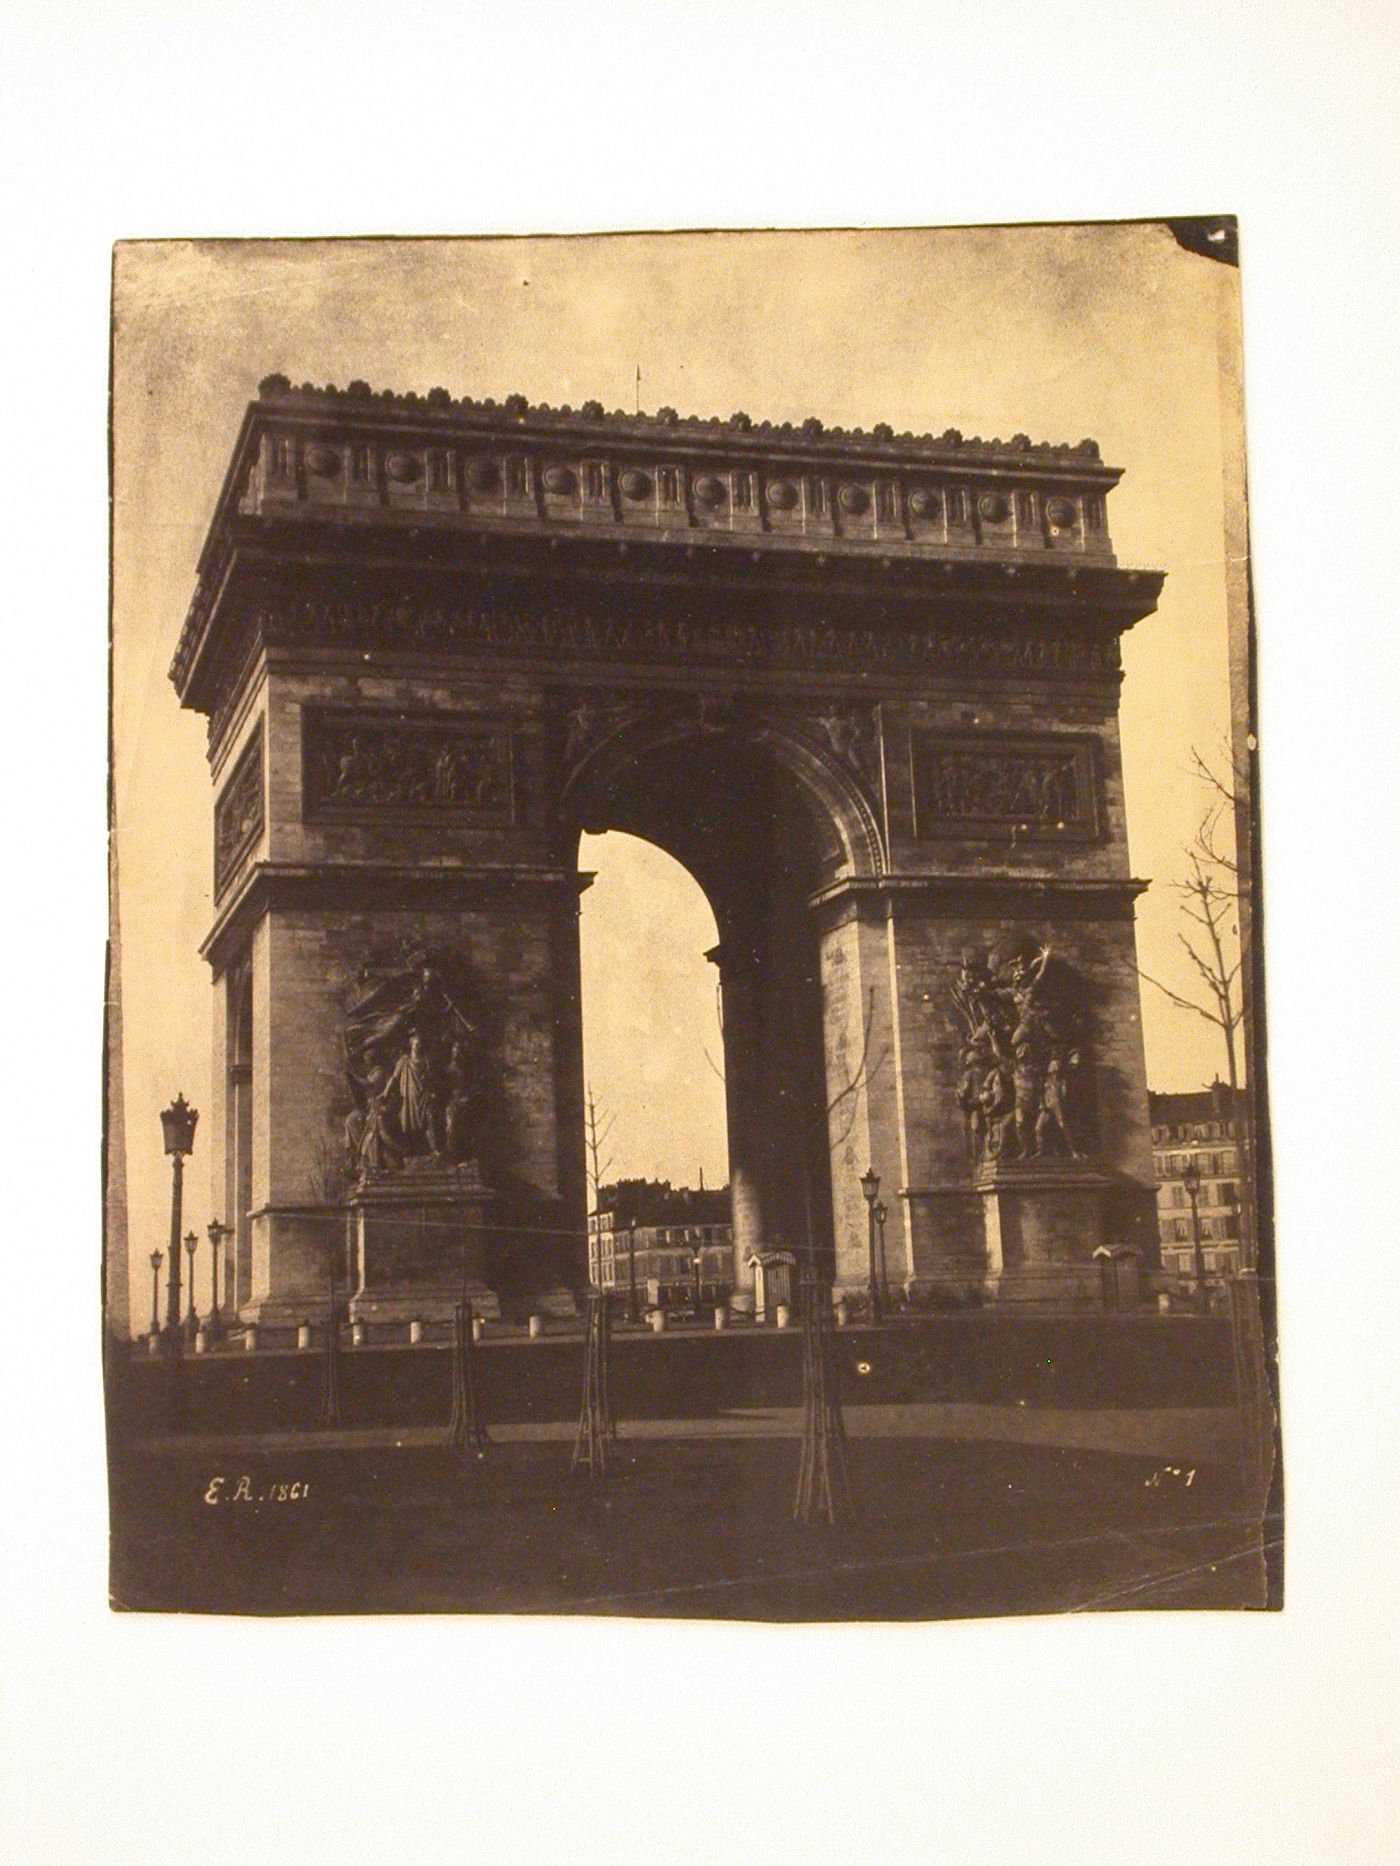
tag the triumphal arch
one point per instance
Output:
(864, 686)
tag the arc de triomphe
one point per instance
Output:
(864, 686)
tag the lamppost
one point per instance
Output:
(217, 1234)
(1232, 1206)
(178, 1123)
(882, 1212)
(192, 1319)
(1191, 1179)
(157, 1259)
(695, 1263)
(632, 1311)
(870, 1186)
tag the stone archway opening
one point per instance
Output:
(738, 803)
(652, 1032)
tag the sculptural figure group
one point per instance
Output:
(1018, 1056)
(411, 1063)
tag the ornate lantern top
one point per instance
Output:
(870, 1185)
(178, 1121)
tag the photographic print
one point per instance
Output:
(684, 1030)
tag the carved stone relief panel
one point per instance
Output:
(413, 1059)
(851, 734)
(1024, 1033)
(989, 785)
(238, 815)
(357, 765)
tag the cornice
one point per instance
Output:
(440, 406)
(1059, 897)
(376, 471)
(384, 886)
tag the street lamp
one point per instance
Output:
(1232, 1206)
(882, 1212)
(870, 1186)
(696, 1261)
(157, 1259)
(1191, 1179)
(633, 1314)
(217, 1234)
(178, 1124)
(192, 1319)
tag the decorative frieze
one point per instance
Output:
(370, 764)
(902, 505)
(429, 624)
(238, 814)
(986, 785)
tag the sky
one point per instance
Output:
(1112, 332)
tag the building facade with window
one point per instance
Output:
(1202, 1126)
(652, 1243)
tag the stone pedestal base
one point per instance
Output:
(1044, 1222)
(420, 1243)
(554, 1300)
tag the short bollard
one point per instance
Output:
(658, 1321)
(478, 1327)
(784, 1315)
(536, 1327)
(359, 1335)
(843, 1314)
(721, 1317)
(250, 1340)
(415, 1333)
(304, 1334)
(153, 1345)
(201, 1341)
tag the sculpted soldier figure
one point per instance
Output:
(410, 1096)
(1052, 1128)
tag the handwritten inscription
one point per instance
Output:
(1168, 1474)
(242, 1489)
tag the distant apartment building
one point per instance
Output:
(671, 1245)
(1202, 1126)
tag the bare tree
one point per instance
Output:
(1217, 946)
(846, 1101)
(597, 1135)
